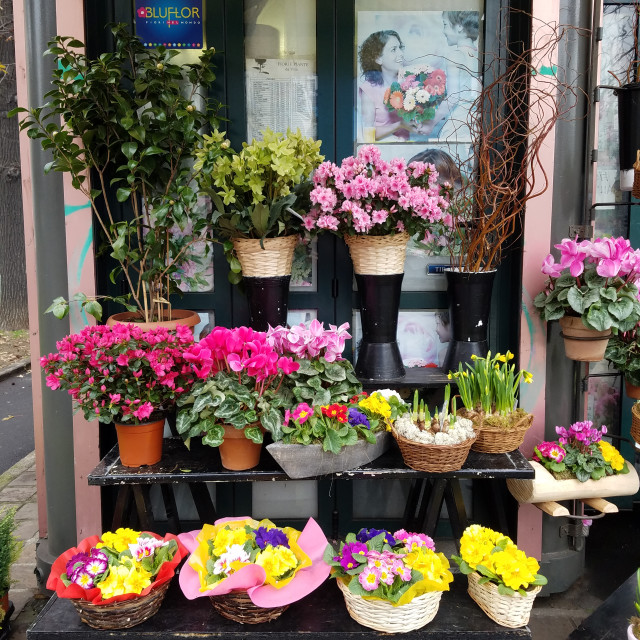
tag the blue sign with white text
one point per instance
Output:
(174, 24)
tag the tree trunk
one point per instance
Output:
(13, 279)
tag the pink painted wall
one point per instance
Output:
(81, 278)
(533, 331)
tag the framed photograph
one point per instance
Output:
(417, 74)
(304, 269)
(297, 316)
(423, 336)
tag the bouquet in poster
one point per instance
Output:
(120, 565)
(417, 93)
(396, 568)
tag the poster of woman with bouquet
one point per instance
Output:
(417, 74)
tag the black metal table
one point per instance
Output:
(202, 465)
(322, 615)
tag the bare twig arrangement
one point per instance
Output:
(517, 107)
(631, 55)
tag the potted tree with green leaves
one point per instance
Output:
(10, 548)
(129, 122)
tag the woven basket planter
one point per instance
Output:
(274, 260)
(378, 255)
(508, 611)
(121, 615)
(238, 606)
(493, 439)
(433, 457)
(635, 422)
(383, 616)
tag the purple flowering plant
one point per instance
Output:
(121, 373)
(376, 564)
(595, 280)
(580, 453)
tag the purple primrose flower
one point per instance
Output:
(348, 551)
(273, 537)
(357, 417)
(365, 535)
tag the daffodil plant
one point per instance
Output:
(490, 384)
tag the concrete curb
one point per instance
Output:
(13, 472)
(19, 366)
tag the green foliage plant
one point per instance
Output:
(10, 547)
(623, 352)
(126, 124)
(259, 191)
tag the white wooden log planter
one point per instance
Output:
(545, 488)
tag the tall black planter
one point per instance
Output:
(268, 301)
(379, 356)
(469, 307)
(629, 132)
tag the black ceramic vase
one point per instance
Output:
(379, 356)
(268, 301)
(469, 307)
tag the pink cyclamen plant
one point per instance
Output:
(595, 280)
(310, 341)
(368, 195)
(121, 373)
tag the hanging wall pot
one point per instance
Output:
(629, 131)
(469, 295)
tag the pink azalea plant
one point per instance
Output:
(239, 382)
(595, 280)
(367, 195)
(121, 373)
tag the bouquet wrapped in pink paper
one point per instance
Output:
(252, 571)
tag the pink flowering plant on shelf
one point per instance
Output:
(121, 373)
(376, 564)
(595, 280)
(581, 453)
(323, 376)
(238, 382)
(370, 196)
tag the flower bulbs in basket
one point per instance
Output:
(390, 582)
(252, 571)
(118, 580)
(489, 389)
(439, 443)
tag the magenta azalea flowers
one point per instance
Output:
(367, 195)
(595, 280)
(394, 567)
(121, 373)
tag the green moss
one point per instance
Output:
(504, 422)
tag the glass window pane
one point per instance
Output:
(280, 52)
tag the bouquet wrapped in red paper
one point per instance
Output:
(117, 580)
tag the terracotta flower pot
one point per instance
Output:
(632, 390)
(237, 452)
(581, 343)
(178, 316)
(140, 444)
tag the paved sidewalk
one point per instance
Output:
(18, 488)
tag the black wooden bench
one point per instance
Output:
(320, 616)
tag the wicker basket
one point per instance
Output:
(635, 422)
(121, 615)
(492, 439)
(509, 611)
(378, 255)
(274, 260)
(237, 606)
(433, 457)
(383, 616)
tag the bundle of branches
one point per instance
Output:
(519, 104)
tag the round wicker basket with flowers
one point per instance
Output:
(489, 390)
(439, 443)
